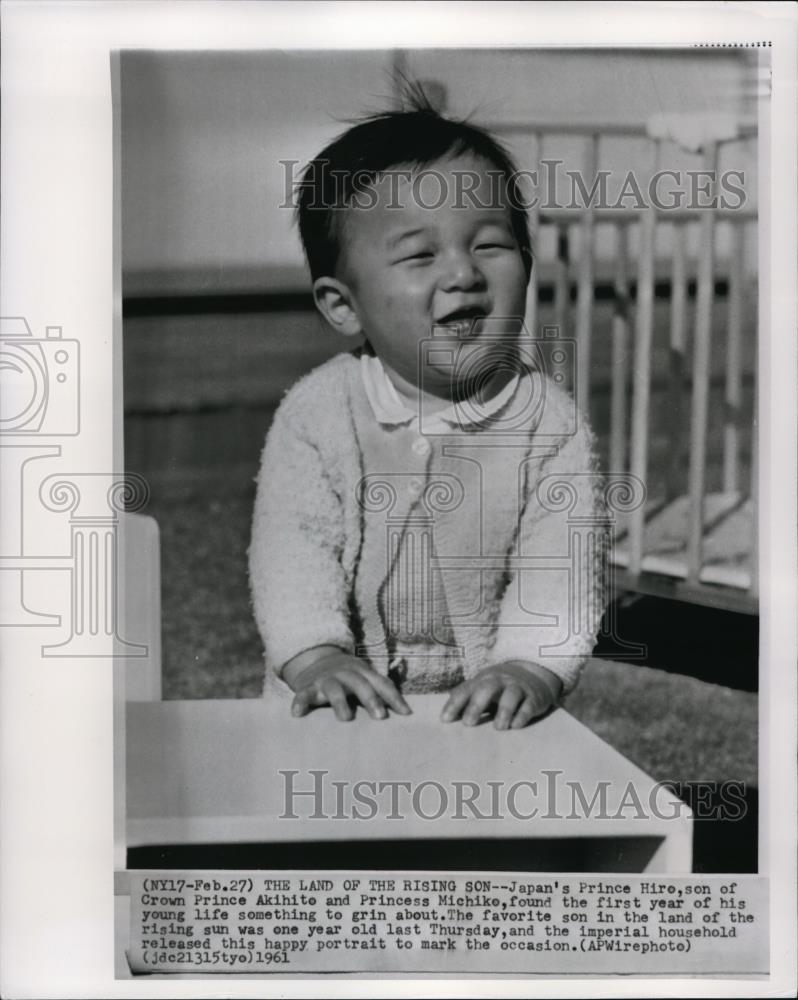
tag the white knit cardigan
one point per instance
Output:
(514, 508)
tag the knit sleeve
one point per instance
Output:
(297, 581)
(551, 609)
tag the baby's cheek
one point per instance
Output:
(410, 287)
(405, 309)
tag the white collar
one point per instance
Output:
(389, 408)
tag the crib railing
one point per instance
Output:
(705, 521)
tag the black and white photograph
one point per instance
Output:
(509, 465)
(434, 562)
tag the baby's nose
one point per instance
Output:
(462, 274)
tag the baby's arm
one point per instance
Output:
(299, 587)
(548, 618)
(327, 675)
(297, 579)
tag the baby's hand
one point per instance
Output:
(333, 677)
(520, 690)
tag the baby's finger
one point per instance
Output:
(457, 701)
(364, 693)
(511, 698)
(482, 696)
(336, 695)
(301, 704)
(388, 692)
(307, 698)
(528, 709)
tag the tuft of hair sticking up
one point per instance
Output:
(411, 138)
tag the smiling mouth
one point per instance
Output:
(462, 320)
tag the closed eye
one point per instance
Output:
(420, 255)
(494, 246)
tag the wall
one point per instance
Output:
(203, 135)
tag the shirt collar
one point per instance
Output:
(390, 409)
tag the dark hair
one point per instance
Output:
(354, 160)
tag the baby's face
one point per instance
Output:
(413, 267)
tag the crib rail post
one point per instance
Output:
(678, 360)
(733, 400)
(641, 388)
(620, 353)
(531, 315)
(584, 298)
(754, 565)
(701, 377)
(562, 283)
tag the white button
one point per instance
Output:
(415, 486)
(421, 446)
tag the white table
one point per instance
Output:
(208, 772)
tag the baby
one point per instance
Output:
(408, 533)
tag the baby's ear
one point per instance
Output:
(334, 301)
